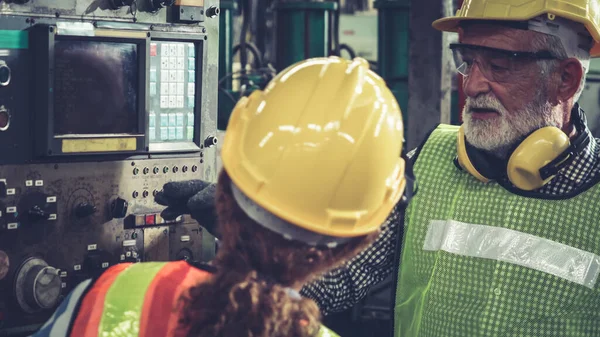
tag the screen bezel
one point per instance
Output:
(47, 143)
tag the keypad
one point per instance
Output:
(172, 91)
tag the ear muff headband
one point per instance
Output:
(463, 158)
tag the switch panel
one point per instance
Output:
(64, 223)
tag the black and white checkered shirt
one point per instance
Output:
(343, 287)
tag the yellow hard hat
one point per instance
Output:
(320, 147)
(586, 12)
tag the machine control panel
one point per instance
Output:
(63, 223)
(102, 102)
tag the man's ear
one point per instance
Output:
(571, 73)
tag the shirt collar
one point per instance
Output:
(584, 162)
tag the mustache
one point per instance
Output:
(484, 103)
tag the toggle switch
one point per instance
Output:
(118, 208)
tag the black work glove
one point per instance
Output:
(193, 197)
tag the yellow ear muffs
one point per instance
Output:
(535, 161)
(535, 152)
(463, 157)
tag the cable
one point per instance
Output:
(267, 72)
(243, 43)
(229, 95)
(347, 48)
(258, 61)
(335, 29)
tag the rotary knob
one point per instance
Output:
(36, 208)
(37, 285)
(83, 210)
(185, 255)
(36, 213)
(118, 208)
(212, 11)
(210, 141)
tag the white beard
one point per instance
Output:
(498, 135)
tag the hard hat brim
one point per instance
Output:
(451, 24)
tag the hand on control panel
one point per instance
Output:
(194, 197)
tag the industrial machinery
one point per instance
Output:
(286, 31)
(101, 103)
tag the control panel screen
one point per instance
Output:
(95, 87)
(172, 91)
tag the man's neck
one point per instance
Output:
(568, 126)
(570, 130)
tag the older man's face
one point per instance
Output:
(497, 114)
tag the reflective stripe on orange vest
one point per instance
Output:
(137, 300)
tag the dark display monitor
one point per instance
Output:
(95, 88)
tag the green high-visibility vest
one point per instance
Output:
(478, 260)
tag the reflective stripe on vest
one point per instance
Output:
(141, 299)
(512, 246)
(137, 300)
(454, 280)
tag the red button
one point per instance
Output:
(153, 49)
(150, 219)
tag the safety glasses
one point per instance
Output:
(497, 65)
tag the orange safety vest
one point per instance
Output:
(131, 300)
(141, 299)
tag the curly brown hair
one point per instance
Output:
(247, 296)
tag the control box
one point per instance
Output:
(102, 102)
